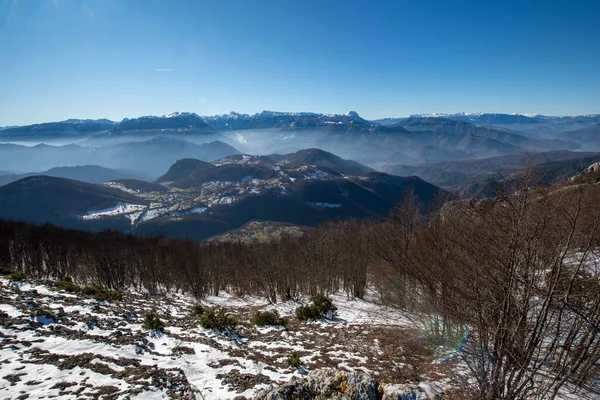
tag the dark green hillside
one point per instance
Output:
(61, 201)
(323, 158)
(184, 168)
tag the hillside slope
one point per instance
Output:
(66, 202)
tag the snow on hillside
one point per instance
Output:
(120, 186)
(327, 205)
(175, 202)
(62, 344)
(119, 209)
(66, 345)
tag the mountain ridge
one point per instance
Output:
(82, 173)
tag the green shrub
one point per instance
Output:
(108, 295)
(323, 304)
(294, 360)
(99, 293)
(268, 318)
(152, 322)
(5, 271)
(218, 320)
(320, 307)
(197, 310)
(304, 313)
(67, 284)
(91, 290)
(17, 276)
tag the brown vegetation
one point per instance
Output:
(517, 272)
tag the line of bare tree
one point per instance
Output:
(332, 257)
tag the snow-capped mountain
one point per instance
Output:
(49, 131)
(477, 118)
(176, 114)
(486, 118)
(276, 119)
(181, 122)
(102, 121)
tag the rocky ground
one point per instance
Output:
(56, 344)
(329, 383)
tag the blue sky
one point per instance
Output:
(64, 59)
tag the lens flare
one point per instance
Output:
(446, 338)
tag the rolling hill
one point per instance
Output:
(66, 202)
(588, 137)
(462, 128)
(84, 173)
(322, 158)
(260, 232)
(474, 178)
(197, 200)
(148, 158)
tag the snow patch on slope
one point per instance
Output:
(119, 209)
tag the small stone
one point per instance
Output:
(59, 312)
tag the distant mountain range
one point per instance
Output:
(411, 140)
(169, 124)
(539, 126)
(482, 118)
(148, 126)
(197, 200)
(188, 121)
(408, 140)
(274, 119)
(71, 128)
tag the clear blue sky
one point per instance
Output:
(124, 58)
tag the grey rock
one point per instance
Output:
(41, 313)
(59, 312)
(35, 324)
(341, 385)
(410, 392)
(116, 334)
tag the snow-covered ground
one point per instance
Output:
(66, 345)
(62, 344)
